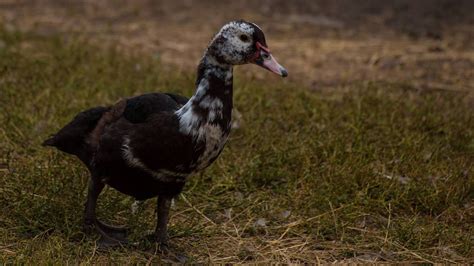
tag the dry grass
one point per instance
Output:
(369, 171)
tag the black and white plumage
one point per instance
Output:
(147, 146)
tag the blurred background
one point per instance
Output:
(426, 43)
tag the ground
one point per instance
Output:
(365, 153)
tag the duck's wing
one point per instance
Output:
(155, 146)
(181, 100)
(79, 137)
(142, 132)
(138, 109)
(159, 145)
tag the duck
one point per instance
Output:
(148, 146)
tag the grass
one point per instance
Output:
(362, 172)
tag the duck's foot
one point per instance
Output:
(117, 232)
(110, 236)
(161, 242)
(170, 253)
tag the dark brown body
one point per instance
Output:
(96, 136)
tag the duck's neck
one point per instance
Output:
(212, 102)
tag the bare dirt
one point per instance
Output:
(324, 44)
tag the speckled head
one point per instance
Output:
(241, 42)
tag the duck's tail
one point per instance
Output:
(71, 138)
(49, 142)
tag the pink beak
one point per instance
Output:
(265, 59)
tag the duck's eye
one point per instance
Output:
(244, 38)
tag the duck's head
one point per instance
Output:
(241, 42)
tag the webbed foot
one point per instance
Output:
(110, 236)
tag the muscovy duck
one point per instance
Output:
(147, 146)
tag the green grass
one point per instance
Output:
(368, 171)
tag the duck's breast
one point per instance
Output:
(213, 139)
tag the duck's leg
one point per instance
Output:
(110, 235)
(93, 192)
(161, 231)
